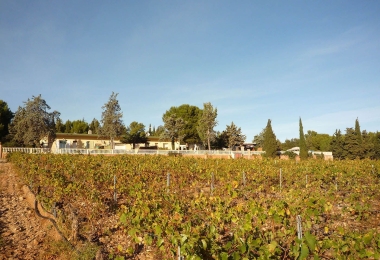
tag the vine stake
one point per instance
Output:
(168, 182)
(299, 227)
(212, 183)
(114, 189)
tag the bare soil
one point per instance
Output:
(23, 235)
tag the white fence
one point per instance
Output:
(233, 154)
(135, 151)
(161, 152)
(25, 150)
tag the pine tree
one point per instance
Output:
(367, 146)
(336, 145)
(135, 134)
(6, 116)
(351, 146)
(94, 126)
(270, 142)
(234, 136)
(376, 146)
(303, 147)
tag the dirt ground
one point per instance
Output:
(23, 235)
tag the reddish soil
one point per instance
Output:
(23, 235)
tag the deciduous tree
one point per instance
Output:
(290, 143)
(32, 123)
(112, 123)
(206, 124)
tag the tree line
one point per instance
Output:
(186, 123)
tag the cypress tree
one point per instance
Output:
(358, 133)
(303, 147)
(270, 142)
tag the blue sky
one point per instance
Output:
(253, 60)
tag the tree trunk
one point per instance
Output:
(208, 139)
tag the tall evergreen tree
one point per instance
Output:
(59, 126)
(112, 123)
(270, 142)
(303, 147)
(68, 126)
(336, 145)
(94, 126)
(206, 124)
(351, 147)
(6, 116)
(376, 146)
(234, 135)
(357, 131)
(367, 146)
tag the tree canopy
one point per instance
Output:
(112, 123)
(94, 126)
(351, 145)
(135, 134)
(6, 116)
(336, 145)
(234, 135)
(270, 145)
(303, 148)
(259, 139)
(173, 127)
(32, 122)
(190, 116)
(206, 124)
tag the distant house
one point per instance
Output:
(94, 141)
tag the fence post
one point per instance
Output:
(280, 179)
(1, 151)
